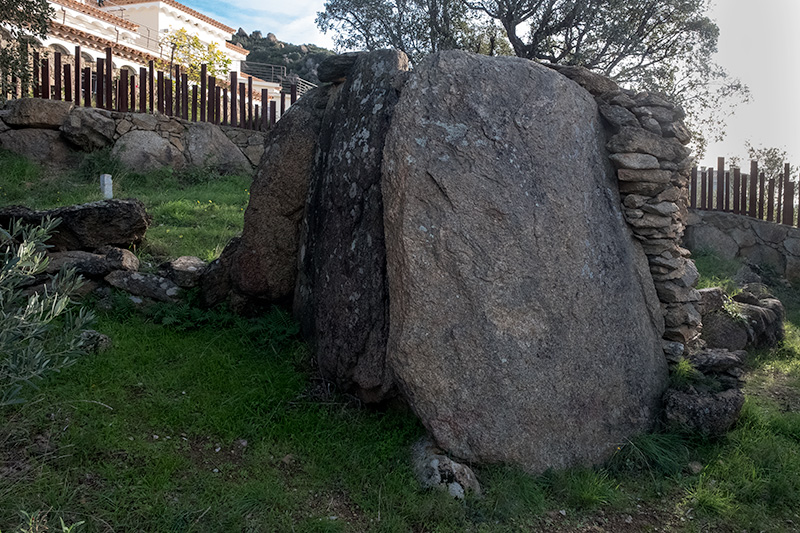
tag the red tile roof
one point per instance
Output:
(176, 5)
(98, 13)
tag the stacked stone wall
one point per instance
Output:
(648, 148)
(55, 133)
(731, 236)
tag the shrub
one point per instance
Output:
(39, 332)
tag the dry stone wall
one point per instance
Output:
(741, 237)
(55, 133)
(648, 148)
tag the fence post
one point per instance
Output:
(721, 192)
(771, 200)
(68, 83)
(178, 94)
(692, 183)
(150, 75)
(36, 67)
(217, 96)
(234, 85)
(265, 109)
(142, 90)
(185, 95)
(752, 201)
(133, 92)
(294, 92)
(194, 103)
(242, 113)
(45, 79)
(109, 77)
(100, 92)
(273, 105)
(168, 96)
(250, 103)
(77, 75)
(710, 196)
(224, 106)
(57, 75)
(203, 81)
(283, 105)
(703, 189)
(761, 198)
(788, 197)
(87, 87)
(737, 181)
(122, 99)
(160, 97)
(212, 89)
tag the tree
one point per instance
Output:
(190, 52)
(21, 22)
(416, 27)
(658, 45)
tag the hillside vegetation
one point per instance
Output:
(301, 60)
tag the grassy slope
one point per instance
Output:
(200, 421)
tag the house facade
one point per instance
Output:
(134, 29)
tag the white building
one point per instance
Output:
(133, 30)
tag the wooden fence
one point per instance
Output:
(219, 101)
(753, 194)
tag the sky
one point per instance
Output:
(759, 43)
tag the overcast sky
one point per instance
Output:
(759, 43)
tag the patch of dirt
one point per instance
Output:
(211, 454)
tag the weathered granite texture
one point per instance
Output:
(523, 323)
(653, 164)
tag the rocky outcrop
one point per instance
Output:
(505, 258)
(264, 262)
(706, 413)
(752, 318)
(342, 294)
(120, 223)
(732, 236)
(493, 248)
(55, 133)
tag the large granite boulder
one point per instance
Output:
(147, 150)
(524, 326)
(89, 129)
(206, 146)
(342, 294)
(45, 146)
(264, 262)
(37, 113)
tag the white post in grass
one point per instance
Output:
(106, 186)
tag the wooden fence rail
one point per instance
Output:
(154, 91)
(753, 194)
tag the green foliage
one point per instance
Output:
(418, 27)
(21, 21)
(37, 523)
(716, 271)
(190, 52)
(655, 45)
(39, 333)
(582, 488)
(655, 453)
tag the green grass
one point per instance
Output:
(194, 212)
(200, 420)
